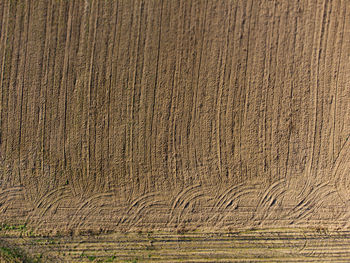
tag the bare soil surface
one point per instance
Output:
(172, 115)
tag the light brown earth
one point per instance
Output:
(174, 115)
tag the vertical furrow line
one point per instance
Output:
(246, 65)
(109, 73)
(245, 105)
(103, 95)
(309, 52)
(156, 83)
(180, 135)
(21, 92)
(237, 90)
(3, 42)
(2, 19)
(284, 86)
(220, 86)
(129, 151)
(316, 88)
(180, 50)
(268, 67)
(273, 170)
(8, 99)
(65, 81)
(195, 92)
(336, 83)
(91, 68)
(323, 113)
(172, 106)
(281, 73)
(114, 70)
(144, 86)
(102, 64)
(299, 70)
(291, 93)
(229, 111)
(141, 71)
(44, 83)
(77, 173)
(59, 23)
(185, 137)
(131, 119)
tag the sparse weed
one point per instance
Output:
(10, 252)
(13, 227)
(111, 259)
(16, 255)
(89, 257)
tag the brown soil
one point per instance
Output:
(163, 115)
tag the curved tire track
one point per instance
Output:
(143, 205)
(271, 196)
(312, 202)
(341, 172)
(184, 201)
(9, 195)
(90, 207)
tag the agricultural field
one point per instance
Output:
(174, 130)
(243, 245)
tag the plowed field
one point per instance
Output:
(173, 116)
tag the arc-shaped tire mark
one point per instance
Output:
(51, 207)
(233, 197)
(89, 206)
(180, 195)
(314, 207)
(185, 200)
(89, 200)
(306, 188)
(141, 205)
(140, 199)
(228, 201)
(268, 192)
(223, 197)
(307, 206)
(156, 206)
(270, 197)
(47, 202)
(12, 190)
(225, 210)
(45, 197)
(305, 202)
(187, 204)
(8, 195)
(236, 198)
(341, 171)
